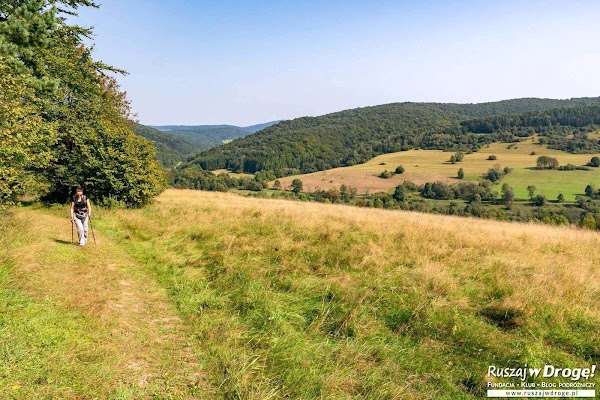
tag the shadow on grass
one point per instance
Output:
(64, 242)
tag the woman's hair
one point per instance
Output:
(78, 189)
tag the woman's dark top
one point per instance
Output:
(80, 205)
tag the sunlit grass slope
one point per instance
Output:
(431, 165)
(85, 323)
(301, 300)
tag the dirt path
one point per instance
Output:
(145, 343)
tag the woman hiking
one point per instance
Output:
(81, 211)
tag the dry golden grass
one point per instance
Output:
(453, 291)
(542, 264)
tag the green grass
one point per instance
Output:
(72, 322)
(284, 299)
(287, 308)
(550, 183)
(47, 351)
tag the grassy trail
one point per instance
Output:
(89, 322)
(217, 296)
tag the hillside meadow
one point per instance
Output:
(213, 295)
(433, 165)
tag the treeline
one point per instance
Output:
(514, 106)
(196, 178)
(63, 120)
(466, 199)
(351, 137)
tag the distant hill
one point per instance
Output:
(259, 127)
(170, 149)
(208, 136)
(350, 137)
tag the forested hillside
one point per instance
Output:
(514, 106)
(63, 120)
(208, 136)
(563, 128)
(354, 136)
(170, 149)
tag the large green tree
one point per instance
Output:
(25, 139)
(80, 118)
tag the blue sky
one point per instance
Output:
(246, 62)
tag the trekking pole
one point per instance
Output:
(72, 240)
(92, 226)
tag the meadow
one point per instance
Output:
(213, 295)
(234, 174)
(433, 165)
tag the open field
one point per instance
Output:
(550, 183)
(212, 295)
(431, 165)
(234, 174)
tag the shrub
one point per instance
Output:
(595, 162)
(399, 193)
(539, 200)
(333, 195)
(457, 157)
(568, 167)
(461, 173)
(494, 174)
(399, 169)
(555, 219)
(589, 191)
(492, 157)
(296, 186)
(545, 162)
(588, 222)
(386, 174)
(410, 186)
(437, 190)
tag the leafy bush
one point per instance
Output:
(568, 167)
(539, 200)
(297, 186)
(545, 162)
(494, 174)
(437, 190)
(457, 157)
(386, 174)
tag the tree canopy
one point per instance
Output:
(63, 119)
